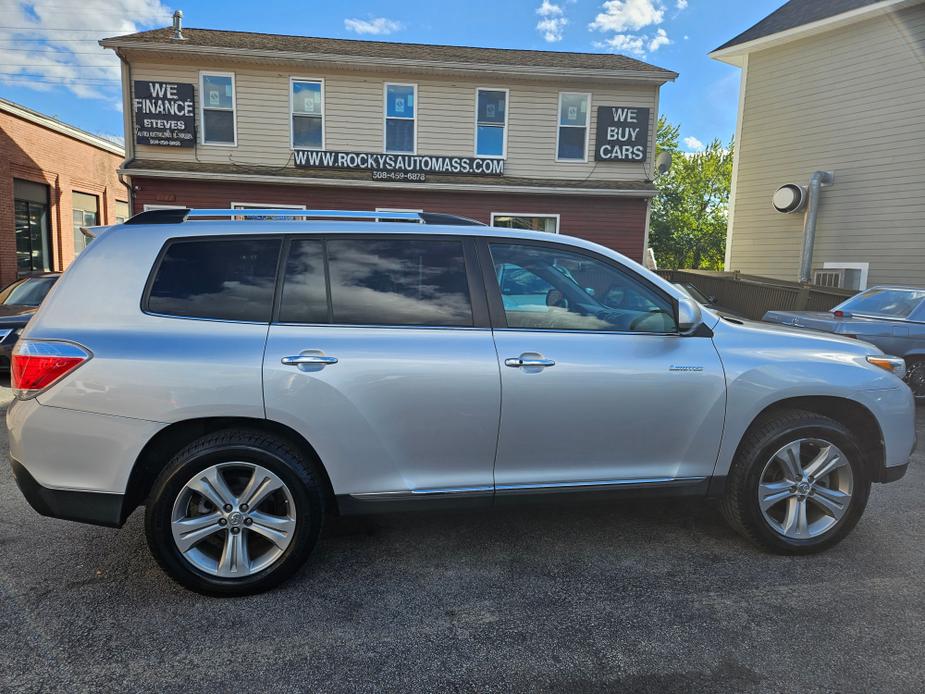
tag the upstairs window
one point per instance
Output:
(491, 123)
(400, 109)
(572, 140)
(217, 105)
(307, 101)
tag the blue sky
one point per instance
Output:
(49, 60)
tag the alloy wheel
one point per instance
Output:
(233, 520)
(805, 489)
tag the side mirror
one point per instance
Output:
(689, 316)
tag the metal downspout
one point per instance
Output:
(816, 181)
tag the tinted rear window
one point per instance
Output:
(224, 279)
(399, 282)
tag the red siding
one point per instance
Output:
(615, 222)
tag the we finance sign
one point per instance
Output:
(407, 167)
(164, 114)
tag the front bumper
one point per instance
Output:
(97, 508)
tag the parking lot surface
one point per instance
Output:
(634, 596)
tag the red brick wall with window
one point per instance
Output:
(616, 222)
(33, 153)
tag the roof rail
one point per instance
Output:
(181, 214)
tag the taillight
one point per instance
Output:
(37, 365)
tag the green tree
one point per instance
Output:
(691, 209)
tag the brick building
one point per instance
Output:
(54, 178)
(531, 139)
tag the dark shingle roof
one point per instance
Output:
(794, 14)
(384, 50)
(643, 187)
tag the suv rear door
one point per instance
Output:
(381, 355)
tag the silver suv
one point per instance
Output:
(241, 378)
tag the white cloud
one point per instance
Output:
(623, 15)
(660, 39)
(553, 21)
(693, 144)
(626, 16)
(681, 4)
(37, 53)
(377, 26)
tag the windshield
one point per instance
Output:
(27, 292)
(693, 292)
(889, 303)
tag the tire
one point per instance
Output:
(780, 527)
(243, 549)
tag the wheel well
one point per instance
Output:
(857, 418)
(165, 444)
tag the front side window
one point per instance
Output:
(398, 282)
(307, 114)
(217, 99)
(490, 122)
(86, 213)
(530, 222)
(222, 279)
(574, 114)
(400, 109)
(553, 289)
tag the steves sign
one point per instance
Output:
(164, 114)
(399, 166)
(622, 134)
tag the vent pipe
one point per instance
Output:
(816, 181)
(178, 25)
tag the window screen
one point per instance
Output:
(224, 279)
(399, 282)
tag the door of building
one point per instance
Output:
(33, 247)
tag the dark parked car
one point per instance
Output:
(704, 300)
(18, 301)
(892, 318)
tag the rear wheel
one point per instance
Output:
(235, 512)
(798, 484)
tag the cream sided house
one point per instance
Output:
(835, 87)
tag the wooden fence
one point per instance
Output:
(752, 296)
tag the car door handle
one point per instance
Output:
(516, 362)
(309, 359)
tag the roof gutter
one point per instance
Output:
(358, 183)
(659, 76)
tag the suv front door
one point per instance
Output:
(598, 387)
(381, 356)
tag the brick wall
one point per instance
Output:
(34, 153)
(615, 222)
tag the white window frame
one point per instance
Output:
(202, 109)
(587, 127)
(292, 114)
(545, 215)
(475, 132)
(863, 267)
(397, 209)
(266, 206)
(386, 116)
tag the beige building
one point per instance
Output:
(533, 139)
(835, 86)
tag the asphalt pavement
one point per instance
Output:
(638, 596)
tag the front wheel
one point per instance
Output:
(915, 378)
(234, 513)
(798, 484)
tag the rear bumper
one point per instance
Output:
(97, 508)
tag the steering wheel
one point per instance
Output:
(639, 320)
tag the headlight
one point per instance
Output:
(894, 365)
